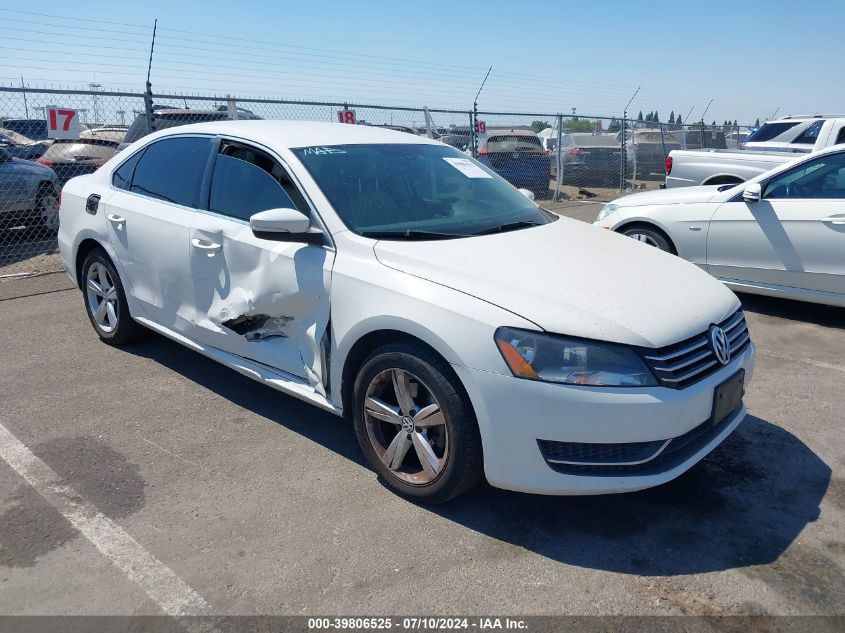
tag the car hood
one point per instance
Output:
(572, 278)
(670, 196)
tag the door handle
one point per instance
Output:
(118, 221)
(210, 248)
(835, 219)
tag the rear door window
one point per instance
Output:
(172, 170)
(122, 177)
(810, 135)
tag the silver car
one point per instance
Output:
(28, 193)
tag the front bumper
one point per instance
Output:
(513, 414)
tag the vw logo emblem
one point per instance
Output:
(719, 343)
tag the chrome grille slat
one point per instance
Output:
(681, 352)
(736, 334)
(690, 374)
(735, 348)
(693, 359)
(735, 320)
(673, 368)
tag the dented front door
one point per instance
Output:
(263, 300)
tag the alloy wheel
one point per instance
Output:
(101, 294)
(406, 426)
(49, 209)
(642, 237)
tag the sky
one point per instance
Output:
(753, 59)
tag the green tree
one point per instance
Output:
(615, 126)
(672, 117)
(579, 125)
(757, 122)
(640, 116)
(655, 117)
(538, 126)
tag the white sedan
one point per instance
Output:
(465, 331)
(780, 234)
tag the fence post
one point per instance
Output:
(148, 107)
(473, 117)
(559, 176)
(232, 107)
(622, 154)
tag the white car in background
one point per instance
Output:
(465, 331)
(781, 233)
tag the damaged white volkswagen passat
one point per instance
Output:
(465, 331)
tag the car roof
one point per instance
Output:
(297, 133)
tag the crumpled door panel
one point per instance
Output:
(263, 300)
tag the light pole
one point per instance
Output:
(94, 86)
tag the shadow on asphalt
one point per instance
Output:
(741, 506)
(827, 316)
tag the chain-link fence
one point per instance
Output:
(49, 136)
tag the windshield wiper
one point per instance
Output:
(411, 234)
(509, 226)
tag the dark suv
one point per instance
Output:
(165, 117)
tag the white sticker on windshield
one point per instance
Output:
(467, 167)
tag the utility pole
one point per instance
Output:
(474, 117)
(25, 106)
(705, 110)
(624, 141)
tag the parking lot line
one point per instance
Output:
(165, 588)
(808, 361)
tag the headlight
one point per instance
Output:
(571, 361)
(606, 210)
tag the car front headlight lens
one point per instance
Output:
(606, 210)
(571, 361)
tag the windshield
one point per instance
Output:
(416, 191)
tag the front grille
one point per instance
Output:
(678, 450)
(682, 364)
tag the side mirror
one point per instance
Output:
(283, 225)
(752, 192)
(528, 194)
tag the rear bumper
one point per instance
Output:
(517, 416)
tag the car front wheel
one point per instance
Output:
(415, 424)
(105, 300)
(650, 237)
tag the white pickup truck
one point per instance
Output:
(775, 143)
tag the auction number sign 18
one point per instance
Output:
(62, 122)
(346, 116)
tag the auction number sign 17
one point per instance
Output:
(346, 116)
(62, 122)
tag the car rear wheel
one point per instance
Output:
(105, 301)
(415, 424)
(650, 237)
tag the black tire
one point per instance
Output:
(126, 329)
(464, 463)
(650, 236)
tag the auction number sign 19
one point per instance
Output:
(62, 122)
(346, 116)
